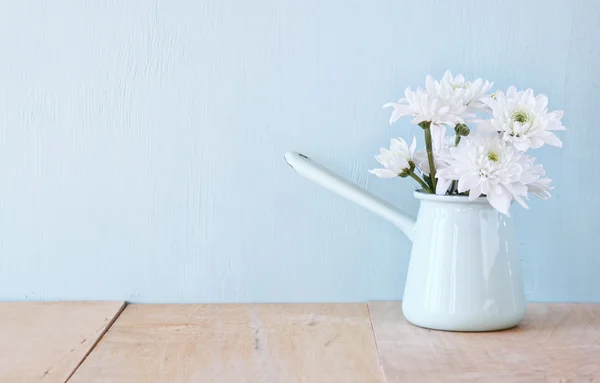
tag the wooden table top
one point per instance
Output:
(236, 343)
(554, 343)
(47, 341)
(345, 342)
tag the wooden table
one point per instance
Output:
(47, 341)
(555, 343)
(237, 343)
(330, 343)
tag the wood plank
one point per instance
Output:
(236, 343)
(555, 343)
(47, 341)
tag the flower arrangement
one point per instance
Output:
(492, 161)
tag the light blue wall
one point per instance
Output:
(141, 143)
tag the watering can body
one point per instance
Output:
(464, 273)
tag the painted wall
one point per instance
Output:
(141, 143)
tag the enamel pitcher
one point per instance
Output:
(464, 273)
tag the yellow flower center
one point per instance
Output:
(520, 116)
(493, 156)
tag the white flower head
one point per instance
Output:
(423, 107)
(469, 93)
(397, 160)
(486, 164)
(523, 119)
(442, 103)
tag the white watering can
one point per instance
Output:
(464, 273)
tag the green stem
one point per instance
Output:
(420, 181)
(456, 142)
(429, 147)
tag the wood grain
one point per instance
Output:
(555, 343)
(47, 341)
(236, 343)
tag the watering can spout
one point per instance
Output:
(331, 181)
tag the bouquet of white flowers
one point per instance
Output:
(491, 161)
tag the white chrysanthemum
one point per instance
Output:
(469, 93)
(396, 160)
(523, 119)
(424, 106)
(486, 164)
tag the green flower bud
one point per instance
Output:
(462, 130)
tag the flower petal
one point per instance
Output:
(430, 85)
(438, 135)
(536, 142)
(468, 181)
(557, 114)
(420, 159)
(383, 173)
(541, 102)
(541, 188)
(521, 145)
(551, 139)
(486, 126)
(511, 91)
(418, 119)
(399, 111)
(475, 192)
(442, 185)
(443, 110)
(517, 190)
(500, 200)
(413, 146)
